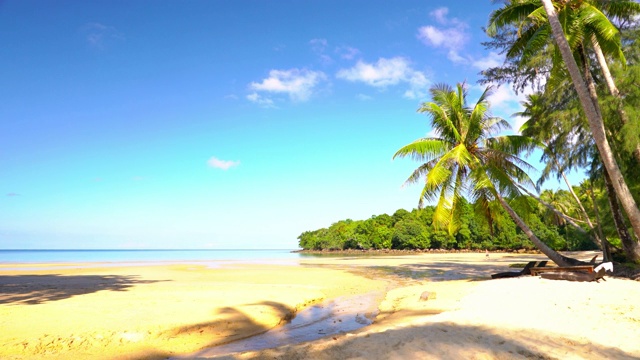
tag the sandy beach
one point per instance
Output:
(183, 311)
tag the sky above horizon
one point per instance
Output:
(219, 124)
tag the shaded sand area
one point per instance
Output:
(153, 312)
(183, 311)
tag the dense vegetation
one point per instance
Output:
(415, 230)
(579, 62)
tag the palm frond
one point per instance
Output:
(515, 12)
(423, 149)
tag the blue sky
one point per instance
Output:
(218, 124)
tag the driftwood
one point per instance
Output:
(577, 273)
(525, 271)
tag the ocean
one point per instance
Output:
(145, 256)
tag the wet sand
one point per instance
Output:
(181, 311)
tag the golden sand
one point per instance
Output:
(154, 312)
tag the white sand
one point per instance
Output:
(516, 318)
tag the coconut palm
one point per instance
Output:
(536, 24)
(465, 159)
(595, 121)
(559, 200)
(551, 128)
(586, 24)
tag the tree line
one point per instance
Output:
(415, 230)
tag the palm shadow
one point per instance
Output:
(231, 324)
(439, 341)
(39, 289)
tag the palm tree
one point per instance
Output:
(595, 121)
(536, 25)
(465, 159)
(558, 200)
(544, 124)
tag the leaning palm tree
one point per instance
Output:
(552, 130)
(573, 24)
(465, 159)
(596, 123)
(586, 24)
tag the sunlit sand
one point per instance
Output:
(184, 311)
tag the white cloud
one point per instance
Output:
(99, 35)
(451, 37)
(298, 84)
(440, 14)
(221, 164)
(433, 133)
(347, 52)
(260, 100)
(503, 96)
(492, 60)
(517, 122)
(319, 46)
(387, 72)
(505, 102)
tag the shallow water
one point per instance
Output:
(329, 318)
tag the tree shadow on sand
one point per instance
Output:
(229, 325)
(437, 340)
(38, 289)
(433, 271)
(444, 271)
(441, 341)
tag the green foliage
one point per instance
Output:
(414, 230)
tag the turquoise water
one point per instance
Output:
(66, 256)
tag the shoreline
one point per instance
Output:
(163, 311)
(407, 251)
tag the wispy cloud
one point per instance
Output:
(298, 84)
(451, 36)
(347, 52)
(260, 100)
(440, 15)
(12, 194)
(387, 72)
(319, 47)
(505, 102)
(214, 162)
(492, 60)
(99, 35)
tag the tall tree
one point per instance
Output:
(596, 123)
(582, 23)
(466, 159)
(544, 124)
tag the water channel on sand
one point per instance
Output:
(325, 319)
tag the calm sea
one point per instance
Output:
(135, 256)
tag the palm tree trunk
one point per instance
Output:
(597, 239)
(613, 89)
(595, 122)
(555, 256)
(631, 247)
(606, 251)
(556, 211)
